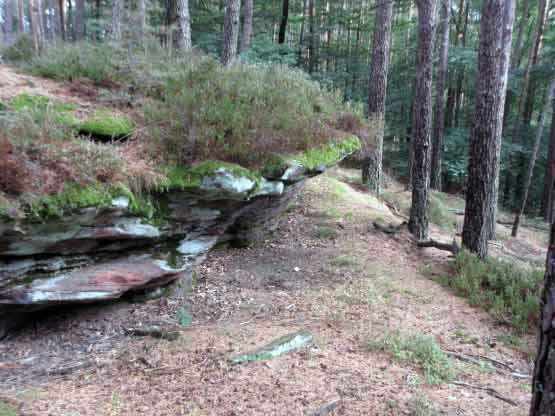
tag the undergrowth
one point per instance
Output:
(510, 292)
(418, 349)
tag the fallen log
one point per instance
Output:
(389, 228)
(451, 247)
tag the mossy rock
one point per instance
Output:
(106, 127)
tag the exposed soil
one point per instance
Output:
(325, 270)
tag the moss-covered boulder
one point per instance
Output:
(106, 127)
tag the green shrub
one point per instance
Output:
(70, 61)
(508, 291)
(243, 113)
(418, 349)
(21, 51)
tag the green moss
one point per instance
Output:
(181, 177)
(41, 105)
(7, 410)
(106, 126)
(98, 195)
(329, 154)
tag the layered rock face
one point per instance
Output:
(97, 254)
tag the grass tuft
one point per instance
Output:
(418, 349)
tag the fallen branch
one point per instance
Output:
(453, 247)
(478, 359)
(492, 392)
(389, 228)
(154, 331)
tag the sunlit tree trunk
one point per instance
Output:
(184, 40)
(508, 24)
(481, 166)
(372, 164)
(439, 119)
(35, 24)
(531, 164)
(543, 382)
(231, 31)
(247, 26)
(422, 120)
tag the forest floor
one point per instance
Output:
(326, 270)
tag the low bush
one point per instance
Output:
(21, 51)
(511, 293)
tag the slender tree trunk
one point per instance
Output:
(231, 31)
(117, 6)
(422, 121)
(284, 18)
(62, 19)
(247, 26)
(142, 20)
(508, 25)
(8, 21)
(300, 58)
(452, 92)
(312, 40)
(543, 383)
(530, 174)
(547, 200)
(184, 40)
(439, 119)
(35, 24)
(20, 17)
(481, 169)
(372, 164)
(79, 20)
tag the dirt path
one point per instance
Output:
(324, 270)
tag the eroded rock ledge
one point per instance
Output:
(103, 252)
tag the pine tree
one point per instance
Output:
(231, 31)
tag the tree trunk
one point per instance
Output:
(247, 26)
(452, 92)
(543, 383)
(519, 44)
(20, 17)
(79, 20)
(422, 121)
(8, 21)
(439, 119)
(142, 20)
(549, 175)
(482, 150)
(533, 156)
(312, 40)
(35, 24)
(283, 24)
(117, 6)
(508, 25)
(300, 57)
(372, 164)
(184, 40)
(231, 31)
(62, 19)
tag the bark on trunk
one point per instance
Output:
(543, 383)
(439, 119)
(184, 40)
(533, 156)
(62, 19)
(547, 202)
(508, 25)
(422, 121)
(372, 164)
(116, 19)
(20, 17)
(35, 24)
(142, 20)
(79, 20)
(312, 40)
(231, 31)
(247, 26)
(8, 21)
(284, 18)
(482, 150)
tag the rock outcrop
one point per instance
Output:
(100, 253)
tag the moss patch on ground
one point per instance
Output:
(105, 126)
